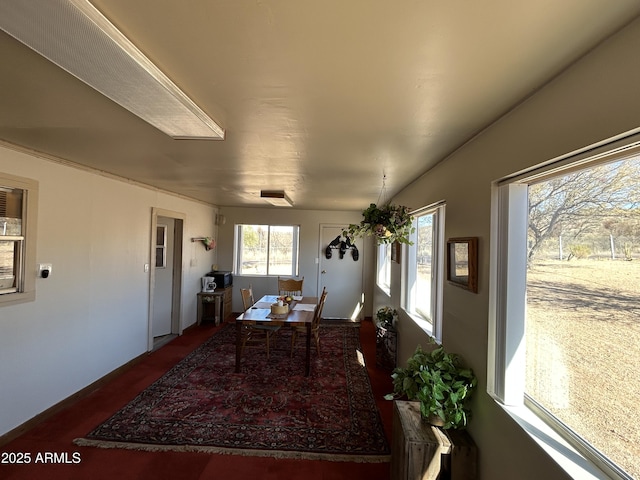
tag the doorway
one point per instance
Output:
(343, 277)
(165, 277)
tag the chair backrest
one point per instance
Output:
(317, 316)
(247, 297)
(290, 286)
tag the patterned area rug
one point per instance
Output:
(269, 409)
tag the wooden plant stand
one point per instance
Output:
(423, 452)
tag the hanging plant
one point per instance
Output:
(388, 223)
(208, 243)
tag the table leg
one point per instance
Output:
(307, 364)
(238, 345)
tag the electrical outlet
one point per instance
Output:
(44, 270)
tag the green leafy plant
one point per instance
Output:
(442, 385)
(385, 316)
(388, 223)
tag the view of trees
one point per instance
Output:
(265, 248)
(587, 212)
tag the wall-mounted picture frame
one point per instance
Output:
(396, 251)
(462, 262)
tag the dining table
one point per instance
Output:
(300, 313)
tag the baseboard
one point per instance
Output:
(61, 405)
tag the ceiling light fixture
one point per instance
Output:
(74, 35)
(276, 197)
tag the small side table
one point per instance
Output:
(420, 451)
(386, 347)
(211, 307)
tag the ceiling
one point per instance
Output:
(320, 99)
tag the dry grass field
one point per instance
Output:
(583, 339)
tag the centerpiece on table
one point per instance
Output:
(281, 307)
(387, 223)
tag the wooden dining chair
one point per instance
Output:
(315, 324)
(247, 298)
(290, 286)
(255, 334)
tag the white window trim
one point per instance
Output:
(295, 254)
(27, 290)
(383, 254)
(433, 329)
(507, 292)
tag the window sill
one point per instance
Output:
(386, 290)
(566, 456)
(426, 326)
(17, 297)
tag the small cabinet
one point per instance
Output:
(386, 347)
(423, 452)
(227, 301)
(215, 306)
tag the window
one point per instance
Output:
(423, 289)
(18, 203)
(566, 281)
(267, 249)
(161, 246)
(384, 267)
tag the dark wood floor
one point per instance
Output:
(55, 435)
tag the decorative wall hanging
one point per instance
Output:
(342, 246)
(462, 262)
(396, 250)
(208, 242)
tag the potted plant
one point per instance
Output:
(385, 317)
(441, 384)
(388, 223)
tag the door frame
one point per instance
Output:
(176, 283)
(342, 226)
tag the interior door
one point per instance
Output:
(343, 277)
(163, 288)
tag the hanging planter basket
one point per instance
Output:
(387, 223)
(209, 243)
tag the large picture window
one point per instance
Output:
(267, 249)
(567, 290)
(18, 202)
(424, 270)
(383, 279)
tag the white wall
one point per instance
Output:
(310, 248)
(594, 100)
(91, 315)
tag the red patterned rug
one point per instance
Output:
(269, 409)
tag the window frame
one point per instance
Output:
(161, 246)
(433, 326)
(295, 262)
(26, 271)
(506, 357)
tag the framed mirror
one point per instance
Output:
(462, 262)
